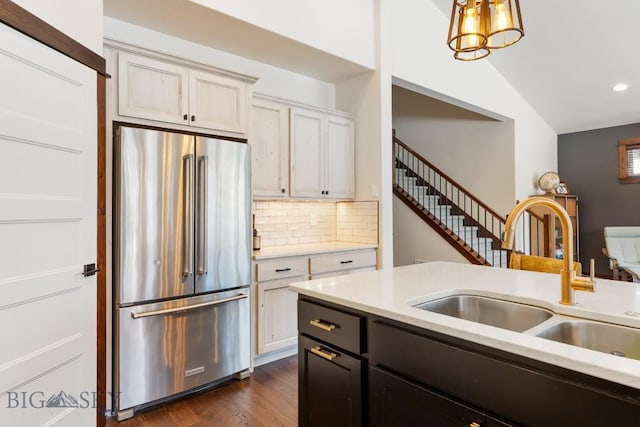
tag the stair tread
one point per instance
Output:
(431, 203)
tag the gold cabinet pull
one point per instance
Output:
(474, 424)
(322, 325)
(324, 354)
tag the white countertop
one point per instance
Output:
(393, 292)
(312, 248)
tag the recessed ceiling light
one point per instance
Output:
(620, 87)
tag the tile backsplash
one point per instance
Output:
(357, 222)
(293, 222)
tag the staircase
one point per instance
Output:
(469, 225)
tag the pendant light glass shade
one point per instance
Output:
(472, 55)
(477, 26)
(506, 24)
(467, 29)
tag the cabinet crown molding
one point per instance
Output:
(290, 103)
(164, 56)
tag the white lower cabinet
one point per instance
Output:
(277, 309)
(277, 314)
(339, 263)
(277, 326)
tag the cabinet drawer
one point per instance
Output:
(343, 261)
(338, 328)
(281, 268)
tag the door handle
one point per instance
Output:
(281, 270)
(322, 353)
(322, 325)
(189, 308)
(346, 262)
(203, 207)
(90, 270)
(187, 244)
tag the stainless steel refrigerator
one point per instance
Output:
(182, 269)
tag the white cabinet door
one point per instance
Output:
(339, 161)
(217, 102)
(48, 232)
(307, 153)
(269, 139)
(277, 314)
(151, 89)
(322, 155)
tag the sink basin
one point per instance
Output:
(617, 340)
(489, 311)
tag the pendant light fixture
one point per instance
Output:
(478, 26)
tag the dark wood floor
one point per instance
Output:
(268, 398)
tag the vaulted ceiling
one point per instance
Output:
(573, 53)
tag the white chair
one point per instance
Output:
(623, 251)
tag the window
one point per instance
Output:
(629, 161)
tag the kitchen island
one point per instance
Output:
(386, 362)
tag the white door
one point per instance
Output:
(307, 153)
(47, 233)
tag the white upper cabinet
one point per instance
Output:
(151, 89)
(307, 153)
(269, 139)
(162, 91)
(217, 102)
(322, 155)
(339, 157)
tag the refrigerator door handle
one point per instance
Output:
(188, 308)
(187, 248)
(203, 169)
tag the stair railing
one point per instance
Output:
(444, 193)
(440, 193)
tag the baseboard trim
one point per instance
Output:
(262, 359)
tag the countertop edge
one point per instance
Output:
(589, 362)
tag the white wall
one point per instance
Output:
(421, 56)
(369, 97)
(474, 150)
(414, 239)
(271, 80)
(342, 28)
(79, 19)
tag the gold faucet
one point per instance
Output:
(568, 279)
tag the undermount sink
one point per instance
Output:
(488, 311)
(616, 340)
